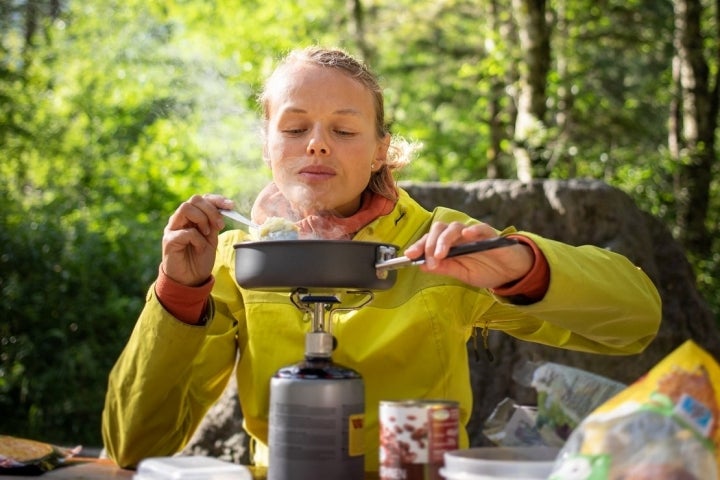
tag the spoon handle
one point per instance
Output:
(238, 217)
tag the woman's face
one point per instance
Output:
(321, 139)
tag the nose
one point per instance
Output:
(317, 144)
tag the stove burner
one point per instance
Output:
(319, 342)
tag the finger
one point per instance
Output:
(427, 244)
(478, 231)
(436, 243)
(218, 201)
(444, 237)
(210, 204)
(433, 235)
(183, 249)
(189, 216)
(451, 235)
(179, 239)
(417, 248)
(199, 212)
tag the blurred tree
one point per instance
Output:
(534, 32)
(694, 121)
(107, 131)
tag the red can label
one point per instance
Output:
(414, 436)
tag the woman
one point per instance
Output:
(332, 161)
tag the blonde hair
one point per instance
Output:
(400, 151)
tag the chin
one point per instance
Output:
(306, 205)
(306, 201)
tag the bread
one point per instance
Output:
(22, 450)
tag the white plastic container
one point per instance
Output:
(499, 463)
(190, 468)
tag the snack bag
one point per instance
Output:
(664, 426)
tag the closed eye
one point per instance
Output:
(294, 131)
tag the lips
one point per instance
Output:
(316, 171)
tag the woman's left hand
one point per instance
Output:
(487, 269)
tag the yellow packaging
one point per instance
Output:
(665, 425)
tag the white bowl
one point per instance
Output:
(499, 463)
(190, 468)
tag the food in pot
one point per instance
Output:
(275, 228)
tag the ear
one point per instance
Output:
(382, 151)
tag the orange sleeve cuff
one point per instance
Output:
(533, 286)
(187, 304)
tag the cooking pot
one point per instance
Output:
(330, 264)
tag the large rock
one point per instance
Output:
(221, 433)
(576, 212)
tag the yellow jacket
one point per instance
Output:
(408, 343)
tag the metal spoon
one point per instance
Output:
(272, 235)
(239, 217)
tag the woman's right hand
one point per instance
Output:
(190, 239)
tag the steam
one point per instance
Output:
(227, 131)
(318, 224)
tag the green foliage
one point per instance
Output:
(106, 134)
(68, 293)
(439, 81)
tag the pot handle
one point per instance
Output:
(455, 251)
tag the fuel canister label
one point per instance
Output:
(356, 434)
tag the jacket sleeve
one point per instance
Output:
(597, 301)
(164, 382)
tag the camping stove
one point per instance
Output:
(317, 407)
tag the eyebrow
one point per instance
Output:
(342, 111)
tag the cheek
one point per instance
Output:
(275, 154)
(278, 168)
(279, 148)
(364, 159)
(272, 147)
(283, 162)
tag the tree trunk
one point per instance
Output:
(356, 26)
(497, 88)
(674, 116)
(698, 116)
(534, 34)
(565, 94)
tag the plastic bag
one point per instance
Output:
(665, 425)
(565, 396)
(513, 425)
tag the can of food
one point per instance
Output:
(414, 436)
